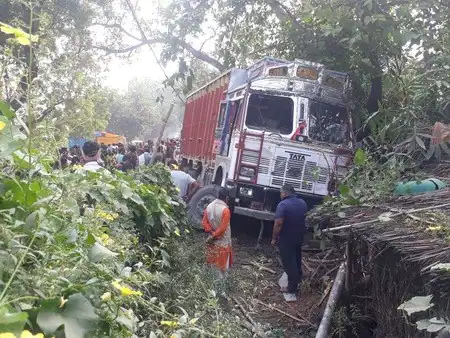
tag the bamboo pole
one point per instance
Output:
(335, 293)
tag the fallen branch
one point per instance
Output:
(335, 293)
(271, 307)
(324, 261)
(261, 267)
(256, 329)
(250, 327)
(407, 213)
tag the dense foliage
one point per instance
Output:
(88, 254)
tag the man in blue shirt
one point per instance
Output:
(288, 232)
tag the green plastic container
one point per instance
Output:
(418, 187)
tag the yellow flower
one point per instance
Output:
(434, 228)
(106, 297)
(63, 301)
(28, 334)
(106, 216)
(77, 167)
(125, 291)
(7, 335)
(106, 240)
(169, 323)
(2, 125)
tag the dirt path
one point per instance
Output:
(257, 290)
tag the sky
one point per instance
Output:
(142, 63)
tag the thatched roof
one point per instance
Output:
(418, 227)
(396, 242)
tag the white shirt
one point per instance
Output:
(92, 166)
(141, 158)
(181, 181)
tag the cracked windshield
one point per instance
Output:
(139, 199)
(273, 114)
(328, 123)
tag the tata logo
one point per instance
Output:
(298, 157)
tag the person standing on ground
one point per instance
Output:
(216, 222)
(288, 232)
(184, 182)
(130, 160)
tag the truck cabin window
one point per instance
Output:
(273, 114)
(327, 123)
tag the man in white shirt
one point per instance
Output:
(146, 157)
(91, 155)
(184, 182)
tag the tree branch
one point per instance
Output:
(119, 27)
(47, 111)
(283, 13)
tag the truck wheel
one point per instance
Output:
(199, 202)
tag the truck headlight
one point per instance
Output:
(247, 172)
(243, 191)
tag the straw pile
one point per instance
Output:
(395, 243)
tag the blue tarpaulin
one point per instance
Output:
(76, 141)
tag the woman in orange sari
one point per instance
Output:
(216, 222)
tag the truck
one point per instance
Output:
(255, 129)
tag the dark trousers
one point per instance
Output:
(291, 258)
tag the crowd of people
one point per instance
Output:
(93, 156)
(119, 156)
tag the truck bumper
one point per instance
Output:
(258, 214)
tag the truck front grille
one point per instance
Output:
(300, 174)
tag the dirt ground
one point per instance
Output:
(255, 275)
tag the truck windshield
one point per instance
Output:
(327, 123)
(274, 114)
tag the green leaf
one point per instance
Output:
(416, 304)
(420, 143)
(98, 253)
(90, 240)
(441, 266)
(360, 157)
(12, 321)
(343, 189)
(136, 199)
(6, 110)
(78, 317)
(127, 319)
(126, 191)
(432, 325)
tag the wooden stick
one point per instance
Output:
(261, 231)
(433, 207)
(306, 265)
(271, 307)
(261, 267)
(318, 268)
(325, 294)
(335, 293)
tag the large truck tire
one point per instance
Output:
(199, 202)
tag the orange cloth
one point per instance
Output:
(218, 255)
